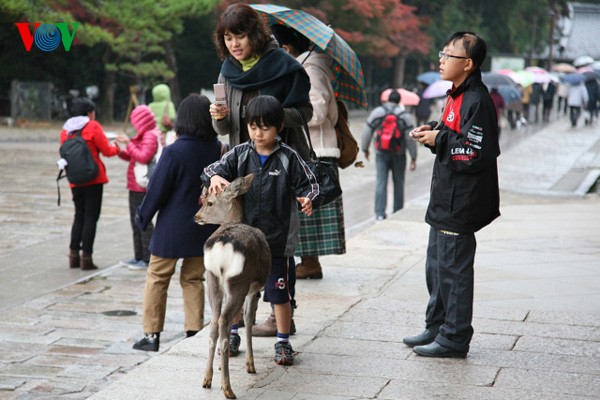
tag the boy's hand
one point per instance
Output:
(306, 205)
(426, 137)
(217, 184)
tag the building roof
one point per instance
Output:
(580, 32)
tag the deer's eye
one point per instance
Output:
(210, 203)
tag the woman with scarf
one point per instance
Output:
(253, 64)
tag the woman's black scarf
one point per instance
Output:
(276, 73)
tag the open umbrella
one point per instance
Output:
(511, 95)
(573, 78)
(492, 79)
(437, 89)
(589, 73)
(407, 98)
(540, 75)
(564, 68)
(523, 78)
(428, 77)
(505, 71)
(582, 61)
(536, 69)
(348, 82)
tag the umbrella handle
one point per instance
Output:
(309, 53)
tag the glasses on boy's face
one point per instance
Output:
(446, 56)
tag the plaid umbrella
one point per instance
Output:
(348, 81)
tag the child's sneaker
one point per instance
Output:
(149, 342)
(126, 263)
(284, 354)
(234, 344)
(138, 265)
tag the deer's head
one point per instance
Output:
(225, 206)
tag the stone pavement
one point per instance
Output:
(537, 331)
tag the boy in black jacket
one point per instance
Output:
(282, 181)
(464, 196)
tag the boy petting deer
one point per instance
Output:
(282, 183)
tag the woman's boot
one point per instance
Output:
(86, 262)
(309, 268)
(74, 259)
(266, 328)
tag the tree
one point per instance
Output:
(137, 38)
(133, 38)
(385, 30)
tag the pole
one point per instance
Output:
(552, 27)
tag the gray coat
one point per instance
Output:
(380, 112)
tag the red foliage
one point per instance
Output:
(389, 27)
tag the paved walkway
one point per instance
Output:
(537, 331)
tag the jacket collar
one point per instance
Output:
(473, 80)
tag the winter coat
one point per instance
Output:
(318, 66)
(270, 204)
(373, 124)
(464, 187)
(161, 100)
(578, 95)
(97, 143)
(277, 74)
(173, 192)
(423, 109)
(142, 146)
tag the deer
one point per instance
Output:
(237, 260)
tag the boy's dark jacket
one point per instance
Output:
(464, 186)
(270, 204)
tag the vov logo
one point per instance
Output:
(47, 37)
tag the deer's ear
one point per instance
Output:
(247, 181)
(240, 185)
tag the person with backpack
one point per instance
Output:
(391, 123)
(86, 190)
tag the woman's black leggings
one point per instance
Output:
(88, 203)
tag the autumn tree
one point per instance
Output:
(135, 38)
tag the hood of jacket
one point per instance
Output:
(161, 92)
(75, 123)
(143, 119)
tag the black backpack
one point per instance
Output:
(390, 132)
(81, 167)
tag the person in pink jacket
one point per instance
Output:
(140, 148)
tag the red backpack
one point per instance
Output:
(390, 134)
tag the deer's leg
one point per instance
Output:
(250, 307)
(233, 305)
(215, 298)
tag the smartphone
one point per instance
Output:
(220, 97)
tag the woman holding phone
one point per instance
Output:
(254, 64)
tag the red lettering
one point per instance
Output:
(26, 34)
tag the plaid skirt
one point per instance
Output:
(323, 232)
